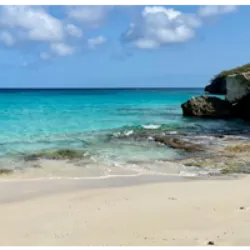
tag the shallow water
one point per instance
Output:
(100, 122)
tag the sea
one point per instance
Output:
(113, 128)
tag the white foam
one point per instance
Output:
(151, 126)
(108, 176)
(173, 132)
(130, 132)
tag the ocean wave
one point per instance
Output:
(151, 126)
(130, 132)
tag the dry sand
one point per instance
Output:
(173, 213)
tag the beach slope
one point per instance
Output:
(186, 213)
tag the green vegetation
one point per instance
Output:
(61, 154)
(221, 77)
(236, 70)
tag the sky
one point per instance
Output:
(120, 46)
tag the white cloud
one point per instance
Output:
(160, 26)
(90, 15)
(72, 30)
(62, 49)
(20, 24)
(212, 10)
(7, 38)
(35, 22)
(93, 42)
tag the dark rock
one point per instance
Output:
(241, 108)
(178, 143)
(218, 83)
(211, 243)
(217, 86)
(207, 107)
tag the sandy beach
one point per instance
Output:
(170, 213)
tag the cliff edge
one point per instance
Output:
(235, 85)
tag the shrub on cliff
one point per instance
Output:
(218, 83)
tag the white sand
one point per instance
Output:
(186, 213)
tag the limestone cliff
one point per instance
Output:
(237, 86)
(218, 83)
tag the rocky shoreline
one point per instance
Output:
(235, 86)
(217, 154)
(214, 154)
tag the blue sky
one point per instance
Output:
(120, 46)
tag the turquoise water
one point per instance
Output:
(32, 121)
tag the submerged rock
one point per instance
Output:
(61, 154)
(178, 143)
(239, 148)
(4, 171)
(224, 161)
(207, 106)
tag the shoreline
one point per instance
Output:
(29, 188)
(166, 213)
(23, 189)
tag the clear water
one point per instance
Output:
(32, 121)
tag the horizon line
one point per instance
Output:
(93, 88)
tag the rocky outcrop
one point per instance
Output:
(237, 86)
(219, 82)
(217, 86)
(242, 108)
(207, 107)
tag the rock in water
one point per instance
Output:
(178, 143)
(207, 106)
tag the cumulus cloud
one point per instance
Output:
(35, 23)
(160, 26)
(89, 15)
(213, 10)
(96, 41)
(42, 36)
(72, 30)
(57, 36)
(62, 49)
